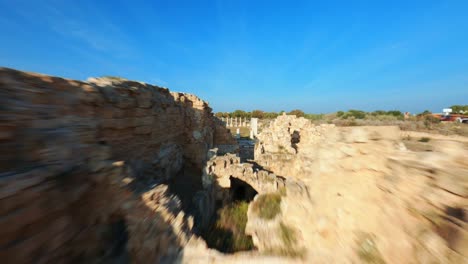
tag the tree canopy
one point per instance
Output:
(459, 109)
(258, 114)
(297, 112)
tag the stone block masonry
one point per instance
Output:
(79, 158)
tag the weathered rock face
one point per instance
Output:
(371, 199)
(294, 147)
(64, 197)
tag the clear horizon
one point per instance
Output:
(317, 57)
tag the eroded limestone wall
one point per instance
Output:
(77, 157)
(372, 198)
(294, 147)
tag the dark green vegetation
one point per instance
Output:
(424, 139)
(228, 232)
(255, 113)
(267, 206)
(357, 114)
(459, 109)
(352, 113)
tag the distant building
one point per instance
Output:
(447, 111)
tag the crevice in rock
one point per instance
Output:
(185, 184)
(114, 241)
(295, 139)
(456, 212)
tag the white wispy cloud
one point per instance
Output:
(77, 21)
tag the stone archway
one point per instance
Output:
(241, 190)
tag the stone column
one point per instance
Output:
(251, 134)
(254, 125)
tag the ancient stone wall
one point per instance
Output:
(62, 193)
(294, 147)
(372, 198)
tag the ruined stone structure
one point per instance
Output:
(220, 169)
(80, 160)
(371, 199)
(90, 172)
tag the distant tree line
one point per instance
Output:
(350, 114)
(357, 114)
(255, 113)
(259, 114)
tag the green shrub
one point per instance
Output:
(228, 232)
(430, 120)
(395, 113)
(258, 114)
(297, 113)
(357, 114)
(270, 115)
(459, 108)
(267, 206)
(314, 117)
(424, 139)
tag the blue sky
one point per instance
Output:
(319, 56)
